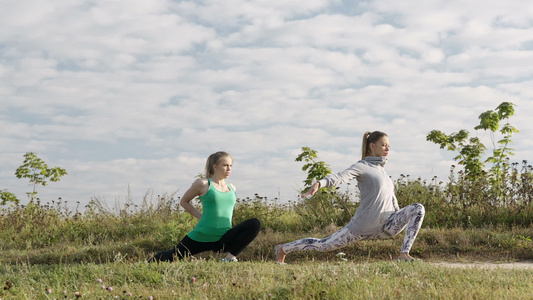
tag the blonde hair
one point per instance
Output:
(212, 160)
(370, 137)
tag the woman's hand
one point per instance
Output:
(312, 190)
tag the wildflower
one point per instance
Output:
(48, 290)
(128, 294)
(341, 256)
(150, 298)
(103, 287)
(193, 279)
(99, 280)
(109, 288)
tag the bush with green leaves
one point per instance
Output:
(467, 203)
(261, 208)
(6, 196)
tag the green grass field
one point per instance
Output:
(50, 252)
(305, 279)
(118, 270)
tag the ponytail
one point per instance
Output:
(364, 145)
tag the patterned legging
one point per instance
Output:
(410, 216)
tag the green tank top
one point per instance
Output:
(216, 216)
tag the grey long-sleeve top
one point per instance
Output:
(377, 201)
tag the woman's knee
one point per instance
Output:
(251, 226)
(419, 208)
(254, 223)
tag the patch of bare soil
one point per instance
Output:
(487, 265)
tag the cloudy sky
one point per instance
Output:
(138, 93)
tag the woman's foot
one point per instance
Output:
(404, 256)
(230, 259)
(162, 256)
(279, 254)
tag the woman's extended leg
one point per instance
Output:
(339, 239)
(409, 217)
(186, 247)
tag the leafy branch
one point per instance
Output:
(316, 170)
(38, 172)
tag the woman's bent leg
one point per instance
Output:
(337, 240)
(409, 217)
(240, 236)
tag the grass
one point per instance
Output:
(457, 244)
(370, 271)
(211, 279)
(50, 252)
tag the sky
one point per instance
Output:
(131, 97)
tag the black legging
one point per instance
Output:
(233, 241)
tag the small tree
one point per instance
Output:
(316, 170)
(38, 172)
(490, 120)
(471, 150)
(328, 205)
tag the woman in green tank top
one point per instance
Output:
(213, 231)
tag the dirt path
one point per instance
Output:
(487, 265)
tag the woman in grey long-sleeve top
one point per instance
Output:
(378, 215)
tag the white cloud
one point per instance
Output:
(142, 93)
